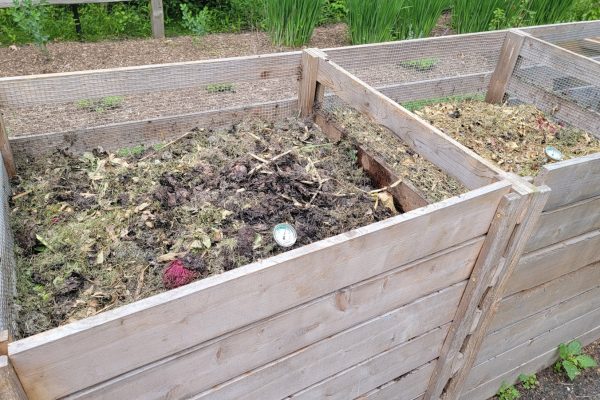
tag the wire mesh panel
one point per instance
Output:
(580, 37)
(7, 258)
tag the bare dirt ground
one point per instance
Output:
(76, 56)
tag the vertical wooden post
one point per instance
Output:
(10, 386)
(450, 381)
(7, 155)
(4, 339)
(307, 91)
(506, 65)
(158, 19)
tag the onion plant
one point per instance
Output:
(418, 18)
(291, 22)
(372, 21)
(476, 15)
(549, 11)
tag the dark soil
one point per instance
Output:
(97, 231)
(76, 56)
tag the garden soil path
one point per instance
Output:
(77, 56)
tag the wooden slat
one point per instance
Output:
(505, 67)
(520, 332)
(369, 374)
(270, 339)
(452, 157)
(6, 151)
(67, 87)
(566, 31)
(53, 363)
(411, 385)
(320, 365)
(561, 108)
(10, 387)
(571, 180)
(533, 364)
(565, 223)
(523, 304)
(9, 3)
(552, 262)
(146, 132)
(308, 81)
(519, 355)
(591, 44)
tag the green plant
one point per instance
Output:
(421, 64)
(517, 15)
(572, 361)
(507, 392)
(371, 22)
(583, 10)
(418, 18)
(333, 11)
(131, 151)
(29, 16)
(476, 15)
(529, 381)
(195, 23)
(105, 103)
(291, 22)
(548, 11)
(220, 87)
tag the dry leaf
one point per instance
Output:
(170, 257)
(387, 200)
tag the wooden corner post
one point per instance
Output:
(509, 55)
(7, 155)
(157, 19)
(309, 90)
(10, 385)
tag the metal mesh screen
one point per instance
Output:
(580, 37)
(7, 259)
(558, 86)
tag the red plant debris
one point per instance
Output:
(176, 275)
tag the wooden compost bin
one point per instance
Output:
(399, 306)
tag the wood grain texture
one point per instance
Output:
(5, 149)
(523, 304)
(565, 223)
(449, 155)
(565, 31)
(554, 261)
(520, 332)
(372, 372)
(54, 363)
(157, 19)
(307, 89)
(67, 87)
(571, 180)
(410, 385)
(266, 341)
(339, 361)
(505, 67)
(10, 387)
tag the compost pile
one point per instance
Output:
(432, 182)
(97, 231)
(515, 137)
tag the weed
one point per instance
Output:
(572, 361)
(131, 151)
(421, 65)
(29, 17)
(220, 87)
(418, 104)
(291, 22)
(507, 392)
(418, 18)
(99, 106)
(195, 23)
(84, 104)
(529, 381)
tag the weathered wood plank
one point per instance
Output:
(565, 31)
(10, 387)
(157, 19)
(308, 81)
(565, 223)
(371, 373)
(541, 344)
(6, 151)
(520, 332)
(505, 67)
(270, 339)
(146, 132)
(552, 262)
(326, 364)
(533, 364)
(411, 385)
(523, 304)
(452, 157)
(67, 87)
(571, 180)
(51, 364)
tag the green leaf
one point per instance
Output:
(585, 361)
(562, 351)
(571, 369)
(574, 348)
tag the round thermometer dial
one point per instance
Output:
(554, 153)
(285, 235)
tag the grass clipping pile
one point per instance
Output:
(98, 231)
(515, 137)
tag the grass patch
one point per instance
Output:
(101, 105)
(421, 64)
(416, 105)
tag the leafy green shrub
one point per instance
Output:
(291, 22)
(572, 361)
(584, 10)
(29, 17)
(516, 14)
(195, 23)
(98, 21)
(418, 18)
(476, 16)
(507, 392)
(529, 381)
(371, 22)
(333, 11)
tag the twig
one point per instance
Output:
(23, 194)
(383, 189)
(253, 170)
(140, 283)
(165, 146)
(262, 160)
